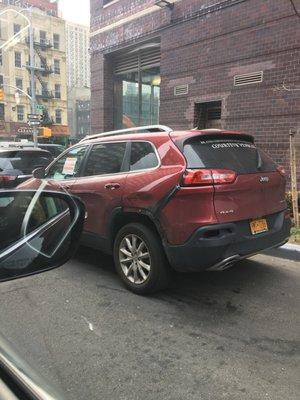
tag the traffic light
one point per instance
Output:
(46, 132)
(2, 96)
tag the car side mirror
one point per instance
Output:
(39, 230)
(39, 173)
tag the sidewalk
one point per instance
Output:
(288, 251)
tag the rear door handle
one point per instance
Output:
(112, 186)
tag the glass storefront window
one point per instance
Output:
(137, 98)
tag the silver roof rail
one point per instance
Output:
(139, 129)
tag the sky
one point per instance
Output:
(76, 10)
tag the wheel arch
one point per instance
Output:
(120, 218)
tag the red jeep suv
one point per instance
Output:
(156, 198)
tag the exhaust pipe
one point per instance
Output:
(225, 264)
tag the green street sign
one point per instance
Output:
(40, 108)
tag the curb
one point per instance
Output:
(288, 251)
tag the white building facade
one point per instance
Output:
(78, 65)
(78, 58)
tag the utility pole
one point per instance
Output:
(32, 76)
(293, 158)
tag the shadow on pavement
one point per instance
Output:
(248, 276)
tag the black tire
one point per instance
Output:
(160, 272)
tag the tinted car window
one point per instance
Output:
(68, 166)
(24, 161)
(242, 157)
(13, 211)
(106, 158)
(55, 150)
(143, 156)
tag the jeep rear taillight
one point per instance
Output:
(206, 177)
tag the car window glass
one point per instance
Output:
(143, 156)
(68, 166)
(14, 209)
(242, 157)
(105, 158)
(24, 161)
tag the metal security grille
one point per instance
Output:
(144, 59)
(248, 79)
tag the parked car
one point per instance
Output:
(193, 200)
(54, 149)
(16, 165)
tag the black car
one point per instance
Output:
(54, 149)
(16, 165)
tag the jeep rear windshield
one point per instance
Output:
(240, 156)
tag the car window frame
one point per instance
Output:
(124, 166)
(87, 146)
(155, 151)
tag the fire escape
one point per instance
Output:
(41, 73)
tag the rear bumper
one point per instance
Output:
(216, 247)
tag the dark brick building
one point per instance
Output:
(229, 63)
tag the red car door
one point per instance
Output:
(64, 172)
(101, 185)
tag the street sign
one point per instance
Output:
(40, 108)
(33, 117)
(34, 123)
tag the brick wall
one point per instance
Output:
(204, 44)
(44, 5)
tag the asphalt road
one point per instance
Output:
(231, 335)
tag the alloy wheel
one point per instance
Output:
(135, 259)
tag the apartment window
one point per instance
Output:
(2, 112)
(57, 90)
(1, 80)
(18, 59)
(58, 118)
(43, 37)
(45, 91)
(57, 67)
(56, 40)
(19, 83)
(1, 58)
(208, 115)
(20, 113)
(17, 28)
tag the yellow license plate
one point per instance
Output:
(258, 226)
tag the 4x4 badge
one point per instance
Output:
(264, 179)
